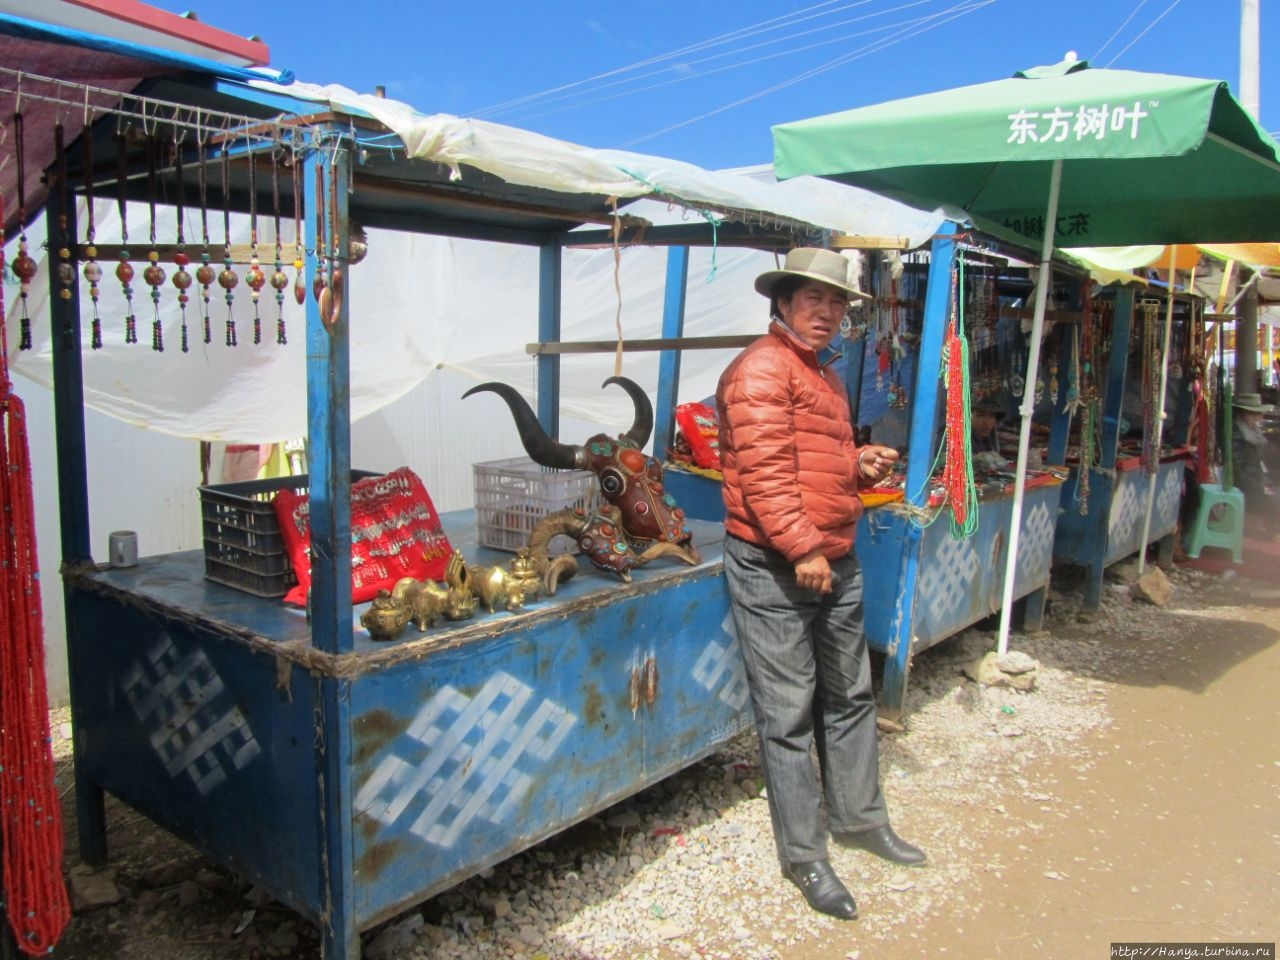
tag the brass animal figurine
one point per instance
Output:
(386, 617)
(426, 600)
(462, 599)
(524, 572)
(495, 588)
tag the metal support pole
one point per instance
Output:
(328, 430)
(1160, 414)
(669, 362)
(1028, 403)
(549, 280)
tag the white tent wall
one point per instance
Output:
(140, 480)
(473, 304)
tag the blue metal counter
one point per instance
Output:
(199, 706)
(1111, 529)
(922, 585)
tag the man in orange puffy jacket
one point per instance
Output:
(791, 478)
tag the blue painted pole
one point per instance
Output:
(897, 663)
(328, 427)
(73, 488)
(924, 423)
(1105, 484)
(328, 414)
(925, 403)
(673, 304)
(1117, 368)
(549, 284)
(1060, 425)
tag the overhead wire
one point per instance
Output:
(740, 33)
(953, 13)
(1097, 53)
(702, 74)
(1145, 31)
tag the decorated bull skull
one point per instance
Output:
(629, 479)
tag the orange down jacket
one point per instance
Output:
(787, 449)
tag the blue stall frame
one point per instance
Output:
(921, 585)
(1109, 529)
(352, 779)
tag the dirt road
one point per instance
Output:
(1134, 796)
(1162, 827)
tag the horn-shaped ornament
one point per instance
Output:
(540, 447)
(629, 479)
(642, 424)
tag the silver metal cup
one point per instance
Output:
(123, 549)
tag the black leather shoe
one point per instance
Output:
(883, 842)
(822, 888)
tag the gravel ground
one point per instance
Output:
(687, 868)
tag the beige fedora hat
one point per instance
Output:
(811, 263)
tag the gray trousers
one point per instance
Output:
(810, 679)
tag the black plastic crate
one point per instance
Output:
(243, 546)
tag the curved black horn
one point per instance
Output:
(642, 426)
(537, 444)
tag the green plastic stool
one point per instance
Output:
(1226, 530)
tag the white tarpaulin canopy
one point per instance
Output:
(533, 160)
(422, 303)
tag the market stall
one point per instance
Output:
(925, 580)
(350, 776)
(1119, 462)
(1047, 154)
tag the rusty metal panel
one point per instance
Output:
(1129, 505)
(962, 581)
(195, 732)
(479, 749)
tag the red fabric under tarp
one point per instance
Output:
(395, 533)
(700, 428)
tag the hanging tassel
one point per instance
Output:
(957, 471)
(36, 898)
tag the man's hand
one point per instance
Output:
(875, 462)
(813, 572)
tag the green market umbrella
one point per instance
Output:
(1146, 157)
(1085, 156)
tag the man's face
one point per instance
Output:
(814, 312)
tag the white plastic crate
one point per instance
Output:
(513, 496)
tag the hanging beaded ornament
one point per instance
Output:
(1177, 348)
(154, 274)
(24, 265)
(299, 249)
(254, 278)
(124, 269)
(957, 470)
(279, 280)
(182, 280)
(1088, 399)
(884, 354)
(36, 904)
(318, 284)
(92, 269)
(329, 306)
(227, 279)
(1151, 385)
(205, 274)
